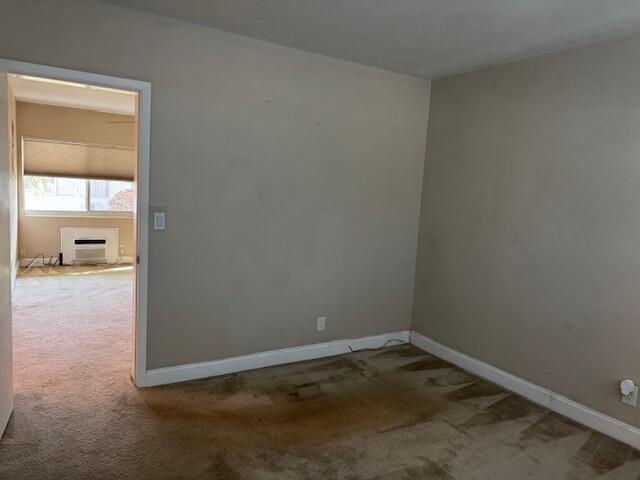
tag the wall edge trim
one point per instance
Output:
(193, 371)
(547, 398)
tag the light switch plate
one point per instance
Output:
(158, 221)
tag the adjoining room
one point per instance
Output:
(306, 240)
(76, 160)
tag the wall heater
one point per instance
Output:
(89, 246)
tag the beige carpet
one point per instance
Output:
(391, 414)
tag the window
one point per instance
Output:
(60, 194)
(54, 194)
(110, 196)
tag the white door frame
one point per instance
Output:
(139, 369)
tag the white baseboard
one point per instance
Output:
(23, 262)
(193, 371)
(542, 396)
(575, 411)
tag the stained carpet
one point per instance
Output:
(392, 414)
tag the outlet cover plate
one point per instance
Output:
(321, 324)
(631, 399)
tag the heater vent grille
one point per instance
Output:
(96, 254)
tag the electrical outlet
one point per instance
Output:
(122, 250)
(321, 323)
(632, 398)
(23, 252)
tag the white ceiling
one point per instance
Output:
(65, 94)
(428, 38)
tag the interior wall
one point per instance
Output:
(530, 226)
(13, 184)
(41, 234)
(291, 181)
(6, 368)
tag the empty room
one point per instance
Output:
(360, 240)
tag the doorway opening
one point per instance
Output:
(78, 170)
(73, 153)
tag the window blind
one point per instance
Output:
(55, 158)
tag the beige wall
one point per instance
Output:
(529, 240)
(42, 234)
(75, 124)
(291, 180)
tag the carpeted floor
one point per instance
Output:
(392, 414)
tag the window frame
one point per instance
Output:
(87, 213)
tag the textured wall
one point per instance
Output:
(291, 181)
(529, 240)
